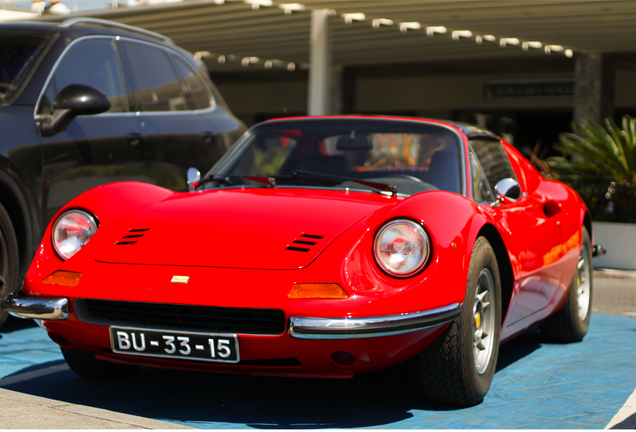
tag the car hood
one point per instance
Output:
(278, 229)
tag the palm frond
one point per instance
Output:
(600, 162)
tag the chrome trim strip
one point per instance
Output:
(352, 328)
(44, 308)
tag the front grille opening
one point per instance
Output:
(182, 317)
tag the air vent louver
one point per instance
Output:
(132, 234)
(301, 240)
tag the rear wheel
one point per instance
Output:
(9, 257)
(85, 364)
(459, 366)
(571, 322)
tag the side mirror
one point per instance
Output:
(74, 100)
(194, 176)
(507, 188)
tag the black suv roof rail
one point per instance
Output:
(100, 22)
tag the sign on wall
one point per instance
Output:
(528, 89)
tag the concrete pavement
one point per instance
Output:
(23, 411)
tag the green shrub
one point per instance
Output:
(600, 164)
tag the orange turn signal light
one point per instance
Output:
(62, 278)
(318, 291)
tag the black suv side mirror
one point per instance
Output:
(73, 100)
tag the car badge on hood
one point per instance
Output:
(180, 279)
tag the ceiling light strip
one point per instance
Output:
(376, 23)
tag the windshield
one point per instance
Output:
(19, 51)
(414, 157)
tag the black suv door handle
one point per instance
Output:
(208, 137)
(135, 138)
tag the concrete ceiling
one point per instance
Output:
(237, 30)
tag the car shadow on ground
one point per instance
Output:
(15, 324)
(230, 401)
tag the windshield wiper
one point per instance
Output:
(298, 175)
(224, 180)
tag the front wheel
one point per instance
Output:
(9, 260)
(571, 322)
(459, 366)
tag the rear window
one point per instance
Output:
(19, 51)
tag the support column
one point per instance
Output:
(319, 98)
(593, 87)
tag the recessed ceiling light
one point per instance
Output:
(406, 26)
(508, 41)
(376, 23)
(351, 17)
(291, 7)
(461, 33)
(430, 31)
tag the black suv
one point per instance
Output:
(88, 102)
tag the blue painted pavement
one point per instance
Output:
(537, 386)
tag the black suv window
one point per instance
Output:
(93, 62)
(494, 161)
(19, 51)
(200, 98)
(159, 86)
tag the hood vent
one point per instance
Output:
(304, 242)
(132, 236)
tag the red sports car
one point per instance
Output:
(321, 247)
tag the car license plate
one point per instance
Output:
(209, 347)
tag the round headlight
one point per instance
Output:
(72, 231)
(401, 248)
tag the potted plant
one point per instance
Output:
(600, 164)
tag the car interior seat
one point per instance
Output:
(444, 171)
(326, 164)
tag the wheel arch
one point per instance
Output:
(503, 261)
(587, 223)
(13, 200)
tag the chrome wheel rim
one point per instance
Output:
(484, 321)
(583, 280)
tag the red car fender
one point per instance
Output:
(128, 197)
(453, 224)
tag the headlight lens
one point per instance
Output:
(72, 231)
(401, 248)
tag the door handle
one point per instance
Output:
(135, 138)
(208, 137)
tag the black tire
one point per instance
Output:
(9, 260)
(448, 369)
(571, 322)
(85, 364)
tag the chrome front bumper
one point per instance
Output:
(349, 328)
(45, 308)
